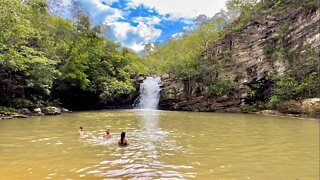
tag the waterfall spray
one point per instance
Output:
(149, 93)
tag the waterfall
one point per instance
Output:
(149, 93)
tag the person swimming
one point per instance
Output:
(107, 134)
(81, 131)
(123, 140)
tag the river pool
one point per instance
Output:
(168, 145)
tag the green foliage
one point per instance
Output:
(220, 89)
(251, 91)
(288, 87)
(178, 56)
(268, 50)
(114, 89)
(46, 59)
(7, 111)
(249, 108)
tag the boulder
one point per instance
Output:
(37, 110)
(51, 111)
(140, 78)
(311, 106)
(24, 111)
(290, 107)
(64, 110)
(165, 76)
(270, 112)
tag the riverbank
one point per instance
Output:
(274, 113)
(10, 113)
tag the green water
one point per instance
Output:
(168, 145)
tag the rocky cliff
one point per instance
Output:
(249, 48)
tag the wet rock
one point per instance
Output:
(19, 116)
(37, 110)
(64, 110)
(6, 117)
(51, 111)
(269, 112)
(165, 76)
(24, 111)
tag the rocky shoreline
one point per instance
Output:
(53, 111)
(26, 113)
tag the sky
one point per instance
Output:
(136, 22)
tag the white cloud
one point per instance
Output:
(182, 9)
(177, 35)
(148, 20)
(137, 47)
(134, 36)
(101, 12)
(131, 5)
(98, 11)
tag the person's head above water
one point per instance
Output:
(81, 131)
(108, 131)
(123, 136)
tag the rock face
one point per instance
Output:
(51, 111)
(175, 95)
(246, 47)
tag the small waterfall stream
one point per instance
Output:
(149, 93)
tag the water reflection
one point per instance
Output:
(169, 145)
(141, 159)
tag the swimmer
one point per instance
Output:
(81, 132)
(107, 134)
(123, 140)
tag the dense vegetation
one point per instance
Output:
(48, 60)
(45, 59)
(179, 57)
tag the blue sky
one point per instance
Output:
(136, 22)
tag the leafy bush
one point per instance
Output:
(7, 111)
(248, 108)
(268, 50)
(288, 87)
(220, 89)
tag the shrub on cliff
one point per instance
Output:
(220, 89)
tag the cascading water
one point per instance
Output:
(149, 93)
(151, 135)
